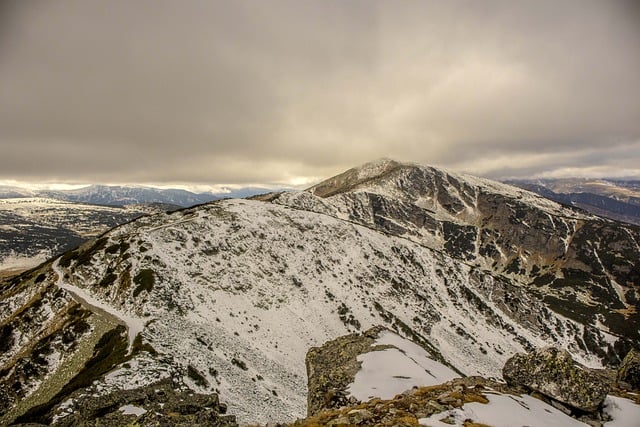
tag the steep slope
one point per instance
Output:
(229, 296)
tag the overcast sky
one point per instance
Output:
(236, 92)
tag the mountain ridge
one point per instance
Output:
(119, 195)
(231, 294)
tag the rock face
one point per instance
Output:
(554, 373)
(629, 371)
(332, 367)
(377, 364)
(157, 404)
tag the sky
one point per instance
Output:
(290, 92)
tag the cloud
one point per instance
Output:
(286, 91)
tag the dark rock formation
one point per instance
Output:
(554, 373)
(157, 404)
(629, 371)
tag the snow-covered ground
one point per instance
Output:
(247, 284)
(18, 262)
(386, 373)
(242, 289)
(623, 412)
(504, 411)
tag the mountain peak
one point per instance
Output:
(355, 176)
(376, 167)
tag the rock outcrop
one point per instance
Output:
(332, 367)
(555, 374)
(629, 371)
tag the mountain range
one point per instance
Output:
(229, 296)
(113, 195)
(611, 198)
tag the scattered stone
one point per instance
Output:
(406, 408)
(448, 420)
(554, 373)
(342, 421)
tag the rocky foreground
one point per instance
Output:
(544, 387)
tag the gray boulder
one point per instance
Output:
(629, 371)
(553, 373)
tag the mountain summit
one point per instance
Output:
(228, 297)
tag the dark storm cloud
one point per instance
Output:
(238, 92)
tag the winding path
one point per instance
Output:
(134, 325)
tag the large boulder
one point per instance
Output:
(554, 373)
(629, 371)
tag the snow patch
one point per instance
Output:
(132, 410)
(504, 411)
(386, 373)
(21, 262)
(623, 412)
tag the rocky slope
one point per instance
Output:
(228, 297)
(404, 387)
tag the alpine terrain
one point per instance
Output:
(227, 299)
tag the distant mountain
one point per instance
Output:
(120, 196)
(9, 192)
(610, 198)
(35, 229)
(108, 195)
(229, 296)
